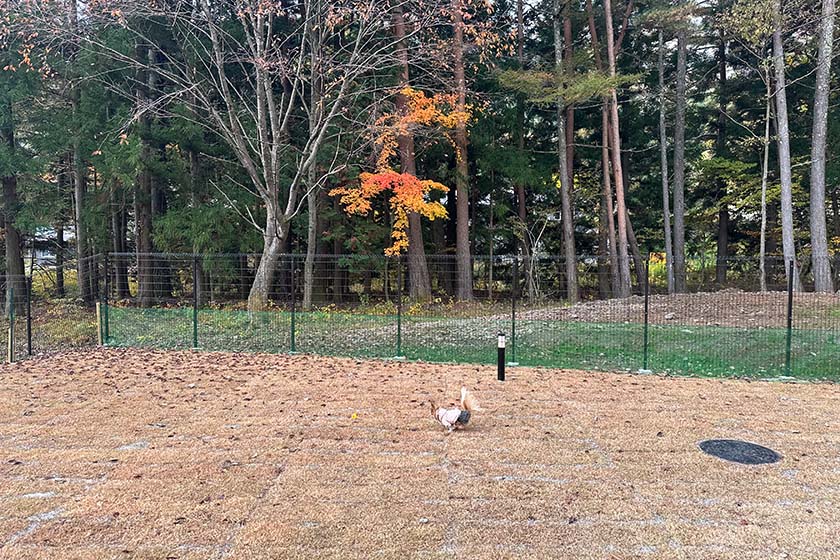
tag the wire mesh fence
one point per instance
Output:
(44, 311)
(372, 306)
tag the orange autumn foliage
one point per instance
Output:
(439, 110)
(408, 194)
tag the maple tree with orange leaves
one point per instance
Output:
(421, 110)
(407, 192)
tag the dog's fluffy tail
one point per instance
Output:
(468, 401)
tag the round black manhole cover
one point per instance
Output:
(738, 451)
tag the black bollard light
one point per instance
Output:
(501, 362)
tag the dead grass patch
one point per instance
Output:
(139, 454)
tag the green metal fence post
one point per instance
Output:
(195, 303)
(647, 304)
(292, 347)
(789, 320)
(399, 305)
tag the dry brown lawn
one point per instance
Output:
(138, 454)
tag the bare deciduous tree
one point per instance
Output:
(246, 67)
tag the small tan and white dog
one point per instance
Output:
(457, 416)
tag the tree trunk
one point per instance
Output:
(315, 104)
(520, 33)
(59, 232)
(419, 283)
(615, 144)
(568, 54)
(464, 291)
(788, 242)
(772, 226)
(835, 206)
(244, 276)
(311, 243)
(604, 286)
(15, 279)
(518, 184)
(819, 234)
(163, 271)
(607, 195)
(339, 271)
(635, 251)
(679, 166)
(118, 263)
(608, 217)
(444, 232)
(720, 149)
(570, 249)
(663, 158)
(79, 192)
(79, 178)
(492, 230)
(143, 193)
(633, 245)
(197, 189)
(143, 232)
(764, 171)
(722, 241)
(274, 236)
(59, 261)
(567, 214)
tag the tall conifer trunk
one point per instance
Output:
(615, 145)
(463, 259)
(419, 282)
(679, 166)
